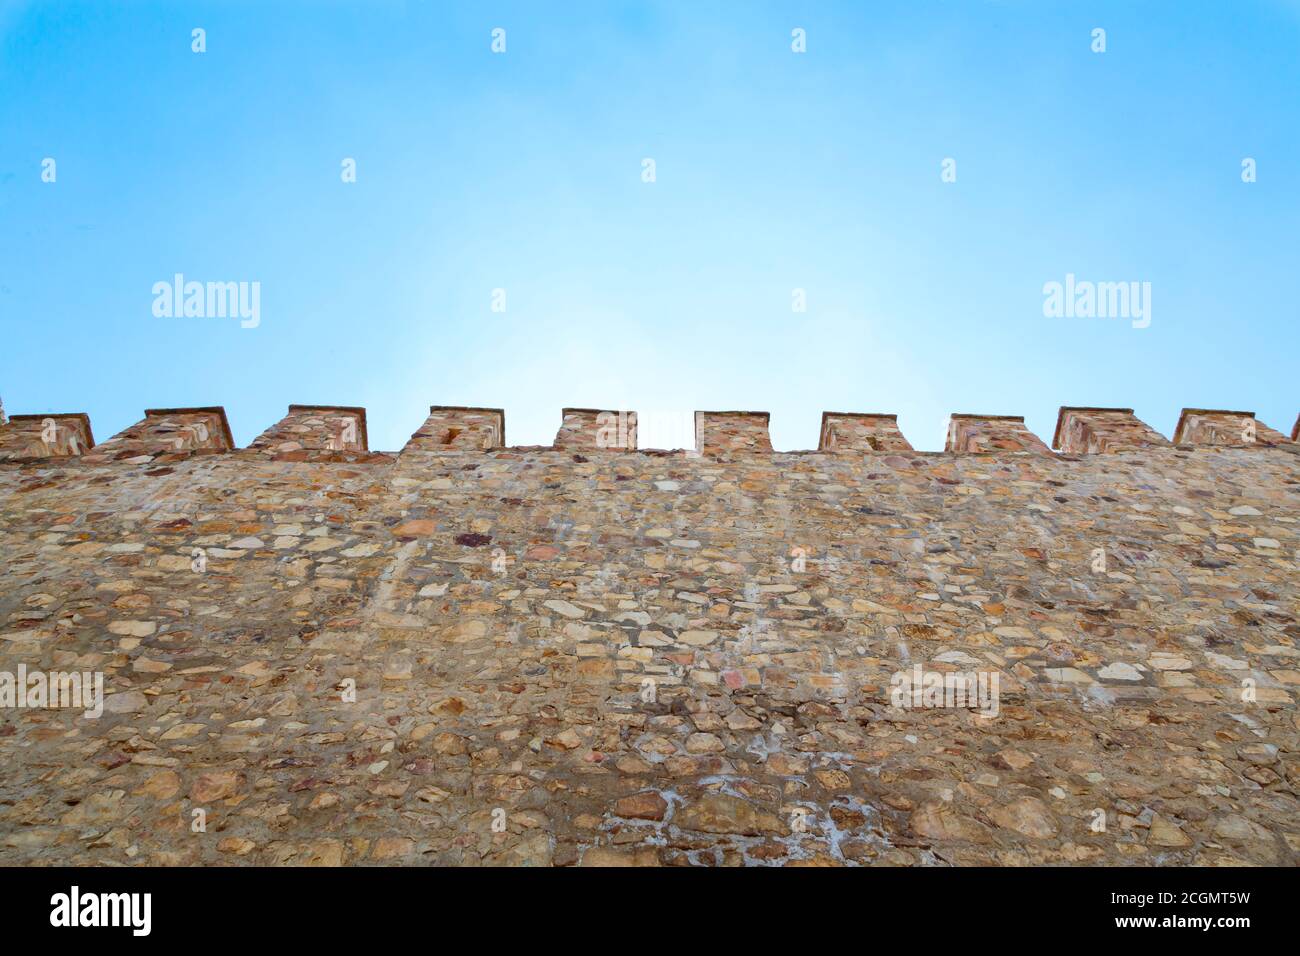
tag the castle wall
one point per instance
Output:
(638, 657)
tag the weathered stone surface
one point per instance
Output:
(722, 813)
(941, 822)
(606, 856)
(465, 654)
(648, 805)
(215, 785)
(1165, 833)
(1026, 815)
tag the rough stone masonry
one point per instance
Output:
(471, 654)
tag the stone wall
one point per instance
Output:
(472, 654)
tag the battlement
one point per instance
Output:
(338, 433)
(673, 656)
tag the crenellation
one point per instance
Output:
(653, 656)
(338, 433)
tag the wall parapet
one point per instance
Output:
(339, 433)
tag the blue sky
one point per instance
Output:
(774, 171)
